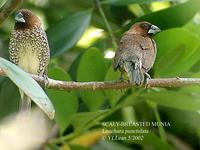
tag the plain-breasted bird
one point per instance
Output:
(136, 52)
(29, 48)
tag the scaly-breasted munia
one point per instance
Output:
(137, 52)
(29, 48)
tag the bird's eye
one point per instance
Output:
(26, 15)
(145, 26)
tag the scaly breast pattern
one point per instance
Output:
(29, 49)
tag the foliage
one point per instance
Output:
(27, 84)
(79, 114)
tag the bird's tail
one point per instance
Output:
(25, 103)
(135, 73)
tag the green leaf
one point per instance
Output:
(113, 95)
(51, 147)
(193, 26)
(74, 67)
(152, 139)
(81, 121)
(28, 85)
(130, 100)
(175, 56)
(9, 103)
(148, 137)
(66, 32)
(174, 16)
(190, 122)
(185, 98)
(127, 2)
(109, 145)
(65, 103)
(92, 68)
(78, 147)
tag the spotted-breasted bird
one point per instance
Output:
(137, 52)
(29, 48)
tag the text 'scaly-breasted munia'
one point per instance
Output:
(29, 48)
(137, 51)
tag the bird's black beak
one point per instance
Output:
(153, 30)
(19, 17)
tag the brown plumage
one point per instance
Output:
(137, 51)
(29, 48)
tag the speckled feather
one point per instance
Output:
(29, 49)
(33, 39)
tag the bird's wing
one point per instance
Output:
(148, 52)
(116, 60)
(44, 51)
(13, 49)
(130, 45)
(129, 51)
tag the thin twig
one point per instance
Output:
(103, 85)
(8, 8)
(98, 4)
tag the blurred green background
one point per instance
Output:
(82, 49)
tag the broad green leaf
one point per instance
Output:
(110, 145)
(127, 2)
(1, 79)
(81, 121)
(92, 68)
(185, 98)
(174, 16)
(66, 32)
(190, 122)
(132, 99)
(152, 139)
(74, 67)
(28, 85)
(148, 137)
(9, 103)
(51, 147)
(113, 95)
(193, 26)
(65, 103)
(78, 147)
(178, 50)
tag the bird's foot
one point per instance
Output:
(121, 79)
(146, 82)
(46, 81)
(148, 76)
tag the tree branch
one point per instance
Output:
(103, 85)
(8, 8)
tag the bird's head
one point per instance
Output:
(24, 19)
(144, 29)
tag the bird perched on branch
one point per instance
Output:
(137, 51)
(29, 49)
